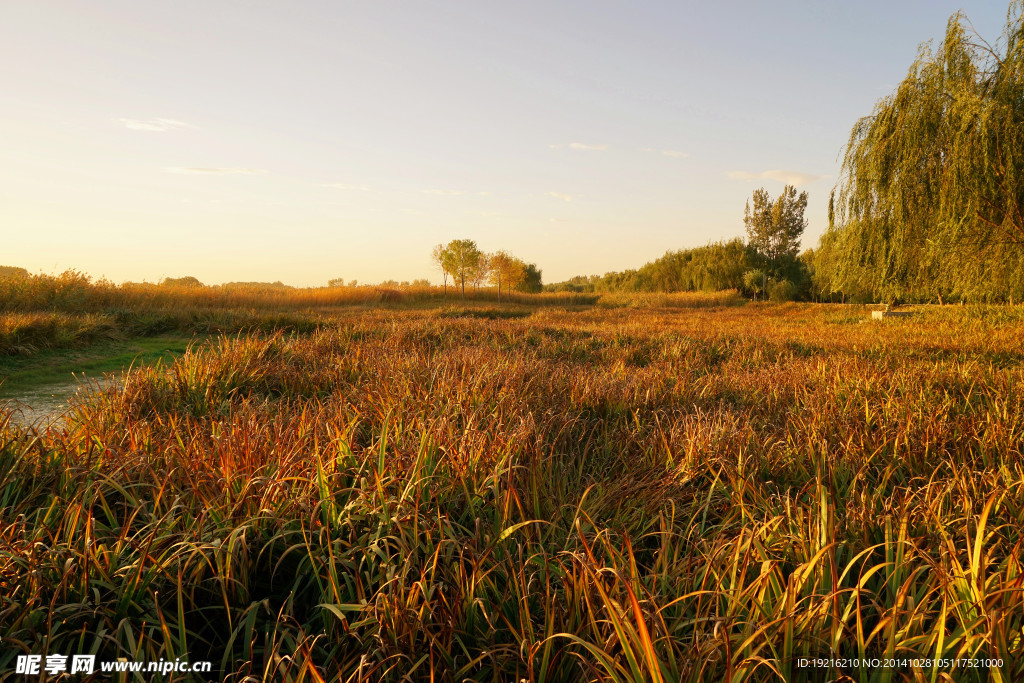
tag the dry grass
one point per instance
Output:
(71, 310)
(73, 292)
(727, 297)
(609, 495)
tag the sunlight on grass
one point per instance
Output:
(621, 494)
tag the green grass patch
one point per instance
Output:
(19, 374)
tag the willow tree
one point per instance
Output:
(532, 282)
(931, 195)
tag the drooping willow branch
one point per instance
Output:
(940, 164)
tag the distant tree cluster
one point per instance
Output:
(186, 281)
(256, 285)
(404, 284)
(734, 264)
(766, 263)
(465, 263)
(710, 268)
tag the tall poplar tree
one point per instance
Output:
(774, 227)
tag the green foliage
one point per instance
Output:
(463, 260)
(774, 227)
(532, 282)
(782, 290)
(755, 281)
(931, 203)
(835, 273)
(722, 265)
(711, 268)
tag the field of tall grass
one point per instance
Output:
(711, 493)
(74, 292)
(70, 310)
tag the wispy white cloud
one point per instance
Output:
(154, 125)
(674, 153)
(447, 193)
(795, 178)
(561, 195)
(202, 170)
(581, 147)
(346, 186)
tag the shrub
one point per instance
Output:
(782, 290)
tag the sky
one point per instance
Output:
(300, 141)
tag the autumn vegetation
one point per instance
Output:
(669, 474)
(71, 309)
(613, 493)
(465, 263)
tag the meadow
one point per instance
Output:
(662, 488)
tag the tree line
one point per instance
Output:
(766, 263)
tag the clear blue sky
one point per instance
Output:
(301, 141)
